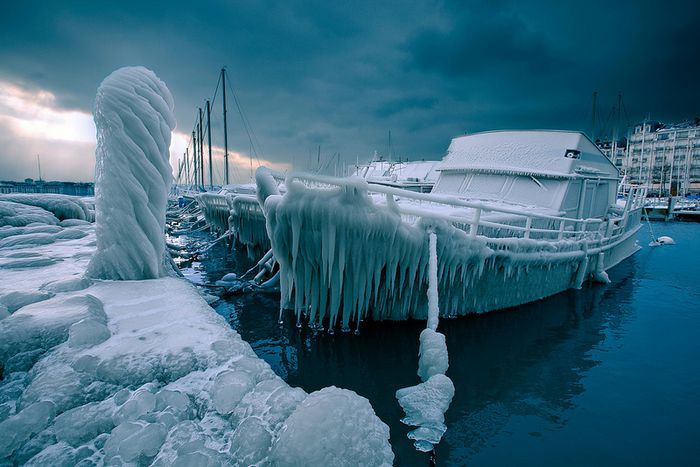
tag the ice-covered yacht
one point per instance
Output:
(519, 216)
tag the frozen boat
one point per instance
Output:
(413, 176)
(519, 216)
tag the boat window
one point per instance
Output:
(526, 190)
(570, 204)
(601, 200)
(449, 183)
(486, 184)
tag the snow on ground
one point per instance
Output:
(144, 372)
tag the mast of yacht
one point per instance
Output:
(187, 165)
(595, 105)
(195, 158)
(201, 151)
(223, 86)
(211, 167)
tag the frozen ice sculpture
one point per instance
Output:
(134, 120)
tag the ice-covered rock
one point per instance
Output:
(130, 440)
(18, 215)
(61, 206)
(20, 427)
(251, 441)
(333, 427)
(134, 120)
(27, 240)
(87, 331)
(13, 301)
(229, 388)
(43, 325)
(74, 223)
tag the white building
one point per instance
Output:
(666, 158)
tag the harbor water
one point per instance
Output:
(606, 375)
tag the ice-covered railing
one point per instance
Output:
(241, 214)
(534, 225)
(215, 208)
(247, 221)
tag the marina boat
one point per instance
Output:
(518, 215)
(414, 176)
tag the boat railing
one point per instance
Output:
(212, 200)
(527, 225)
(245, 204)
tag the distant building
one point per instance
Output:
(40, 186)
(616, 151)
(666, 158)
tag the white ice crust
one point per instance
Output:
(63, 207)
(134, 120)
(145, 372)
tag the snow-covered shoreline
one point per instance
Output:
(141, 372)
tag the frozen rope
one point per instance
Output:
(433, 305)
(426, 403)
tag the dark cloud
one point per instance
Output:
(342, 74)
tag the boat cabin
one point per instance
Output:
(561, 172)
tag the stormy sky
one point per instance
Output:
(341, 74)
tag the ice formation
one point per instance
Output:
(134, 120)
(144, 372)
(266, 185)
(62, 206)
(19, 215)
(426, 403)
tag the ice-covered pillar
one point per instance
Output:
(134, 120)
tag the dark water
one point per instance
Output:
(607, 375)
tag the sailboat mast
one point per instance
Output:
(595, 105)
(211, 175)
(388, 149)
(223, 86)
(194, 159)
(187, 165)
(201, 150)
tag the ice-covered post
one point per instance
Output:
(134, 120)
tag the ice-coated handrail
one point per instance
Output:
(451, 200)
(634, 201)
